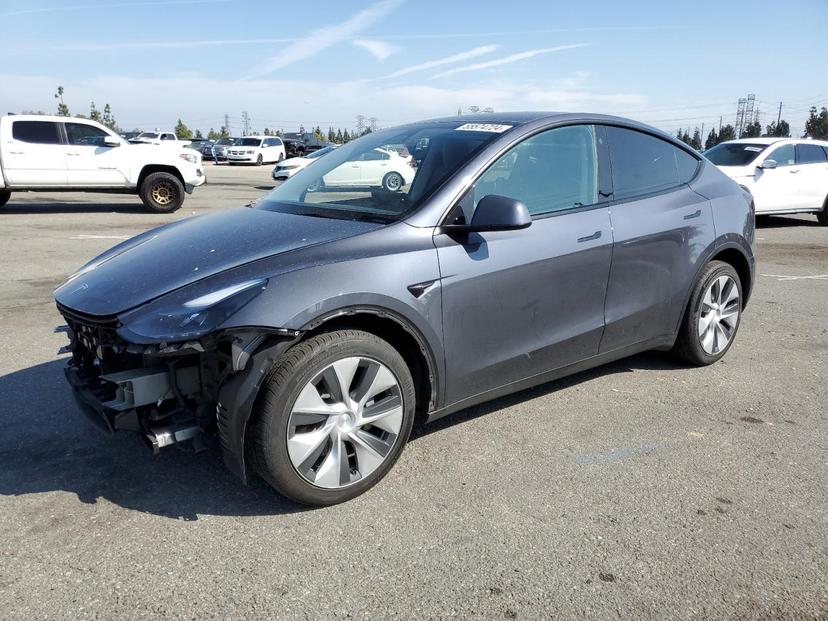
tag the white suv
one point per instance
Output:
(256, 150)
(784, 175)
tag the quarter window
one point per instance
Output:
(82, 134)
(39, 132)
(642, 164)
(810, 154)
(551, 171)
(783, 156)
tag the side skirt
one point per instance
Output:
(659, 343)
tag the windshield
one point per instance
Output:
(384, 175)
(248, 142)
(734, 153)
(147, 135)
(226, 141)
(319, 152)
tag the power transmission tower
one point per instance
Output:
(745, 113)
(360, 121)
(372, 123)
(245, 124)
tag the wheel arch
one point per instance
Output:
(149, 169)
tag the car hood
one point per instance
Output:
(294, 161)
(737, 171)
(173, 256)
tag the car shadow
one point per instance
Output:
(47, 445)
(778, 222)
(70, 207)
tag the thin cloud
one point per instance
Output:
(507, 60)
(327, 36)
(114, 5)
(378, 49)
(456, 58)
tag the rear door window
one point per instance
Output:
(38, 132)
(810, 154)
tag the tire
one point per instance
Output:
(281, 158)
(4, 198)
(713, 315)
(393, 182)
(307, 470)
(162, 192)
(259, 160)
(822, 216)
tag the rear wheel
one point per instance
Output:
(162, 192)
(333, 417)
(822, 216)
(259, 160)
(4, 198)
(712, 316)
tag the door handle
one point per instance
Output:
(73, 154)
(17, 152)
(595, 235)
(793, 171)
(695, 214)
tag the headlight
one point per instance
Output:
(174, 320)
(288, 167)
(189, 157)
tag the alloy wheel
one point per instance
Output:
(345, 422)
(163, 193)
(719, 314)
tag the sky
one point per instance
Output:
(323, 62)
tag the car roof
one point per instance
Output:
(766, 140)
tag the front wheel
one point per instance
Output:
(259, 160)
(4, 198)
(712, 316)
(393, 182)
(332, 417)
(162, 192)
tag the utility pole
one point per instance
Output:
(720, 125)
(227, 122)
(779, 116)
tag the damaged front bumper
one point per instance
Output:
(171, 393)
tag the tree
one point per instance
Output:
(752, 130)
(213, 134)
(782, 130)
(266, 132)
(94, 113)
(317, 133)
(62, 109)
(338, 138)
(817, 124)
(224, 132)
(183, 132)
(331, 135)
(345, 136)
(108, 119)
(727, 133)
(712, 139)
(199, 135)
(366, 131)
(459, 111)
(695, 141)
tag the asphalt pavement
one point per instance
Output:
(643, 489)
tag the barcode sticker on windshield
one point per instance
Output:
(484, 127)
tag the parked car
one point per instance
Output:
(218, 151)
(784, 175)
(310, 332)
(199, 144)
(59, 153)
(378, 167)
(256, 150)
(156, 137)
(289, 167)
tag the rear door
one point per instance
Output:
(519, 303)
(661, 230)
(90, 161)
(812, 160)
(34, 154)
(374, 165)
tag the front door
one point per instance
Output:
(519, 303)
(777, 189)
(90, 161)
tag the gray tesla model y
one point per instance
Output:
(404, 276)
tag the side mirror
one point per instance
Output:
(768, 164)
(112, 141)
(495, 213)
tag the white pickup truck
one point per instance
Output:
(55, 153)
